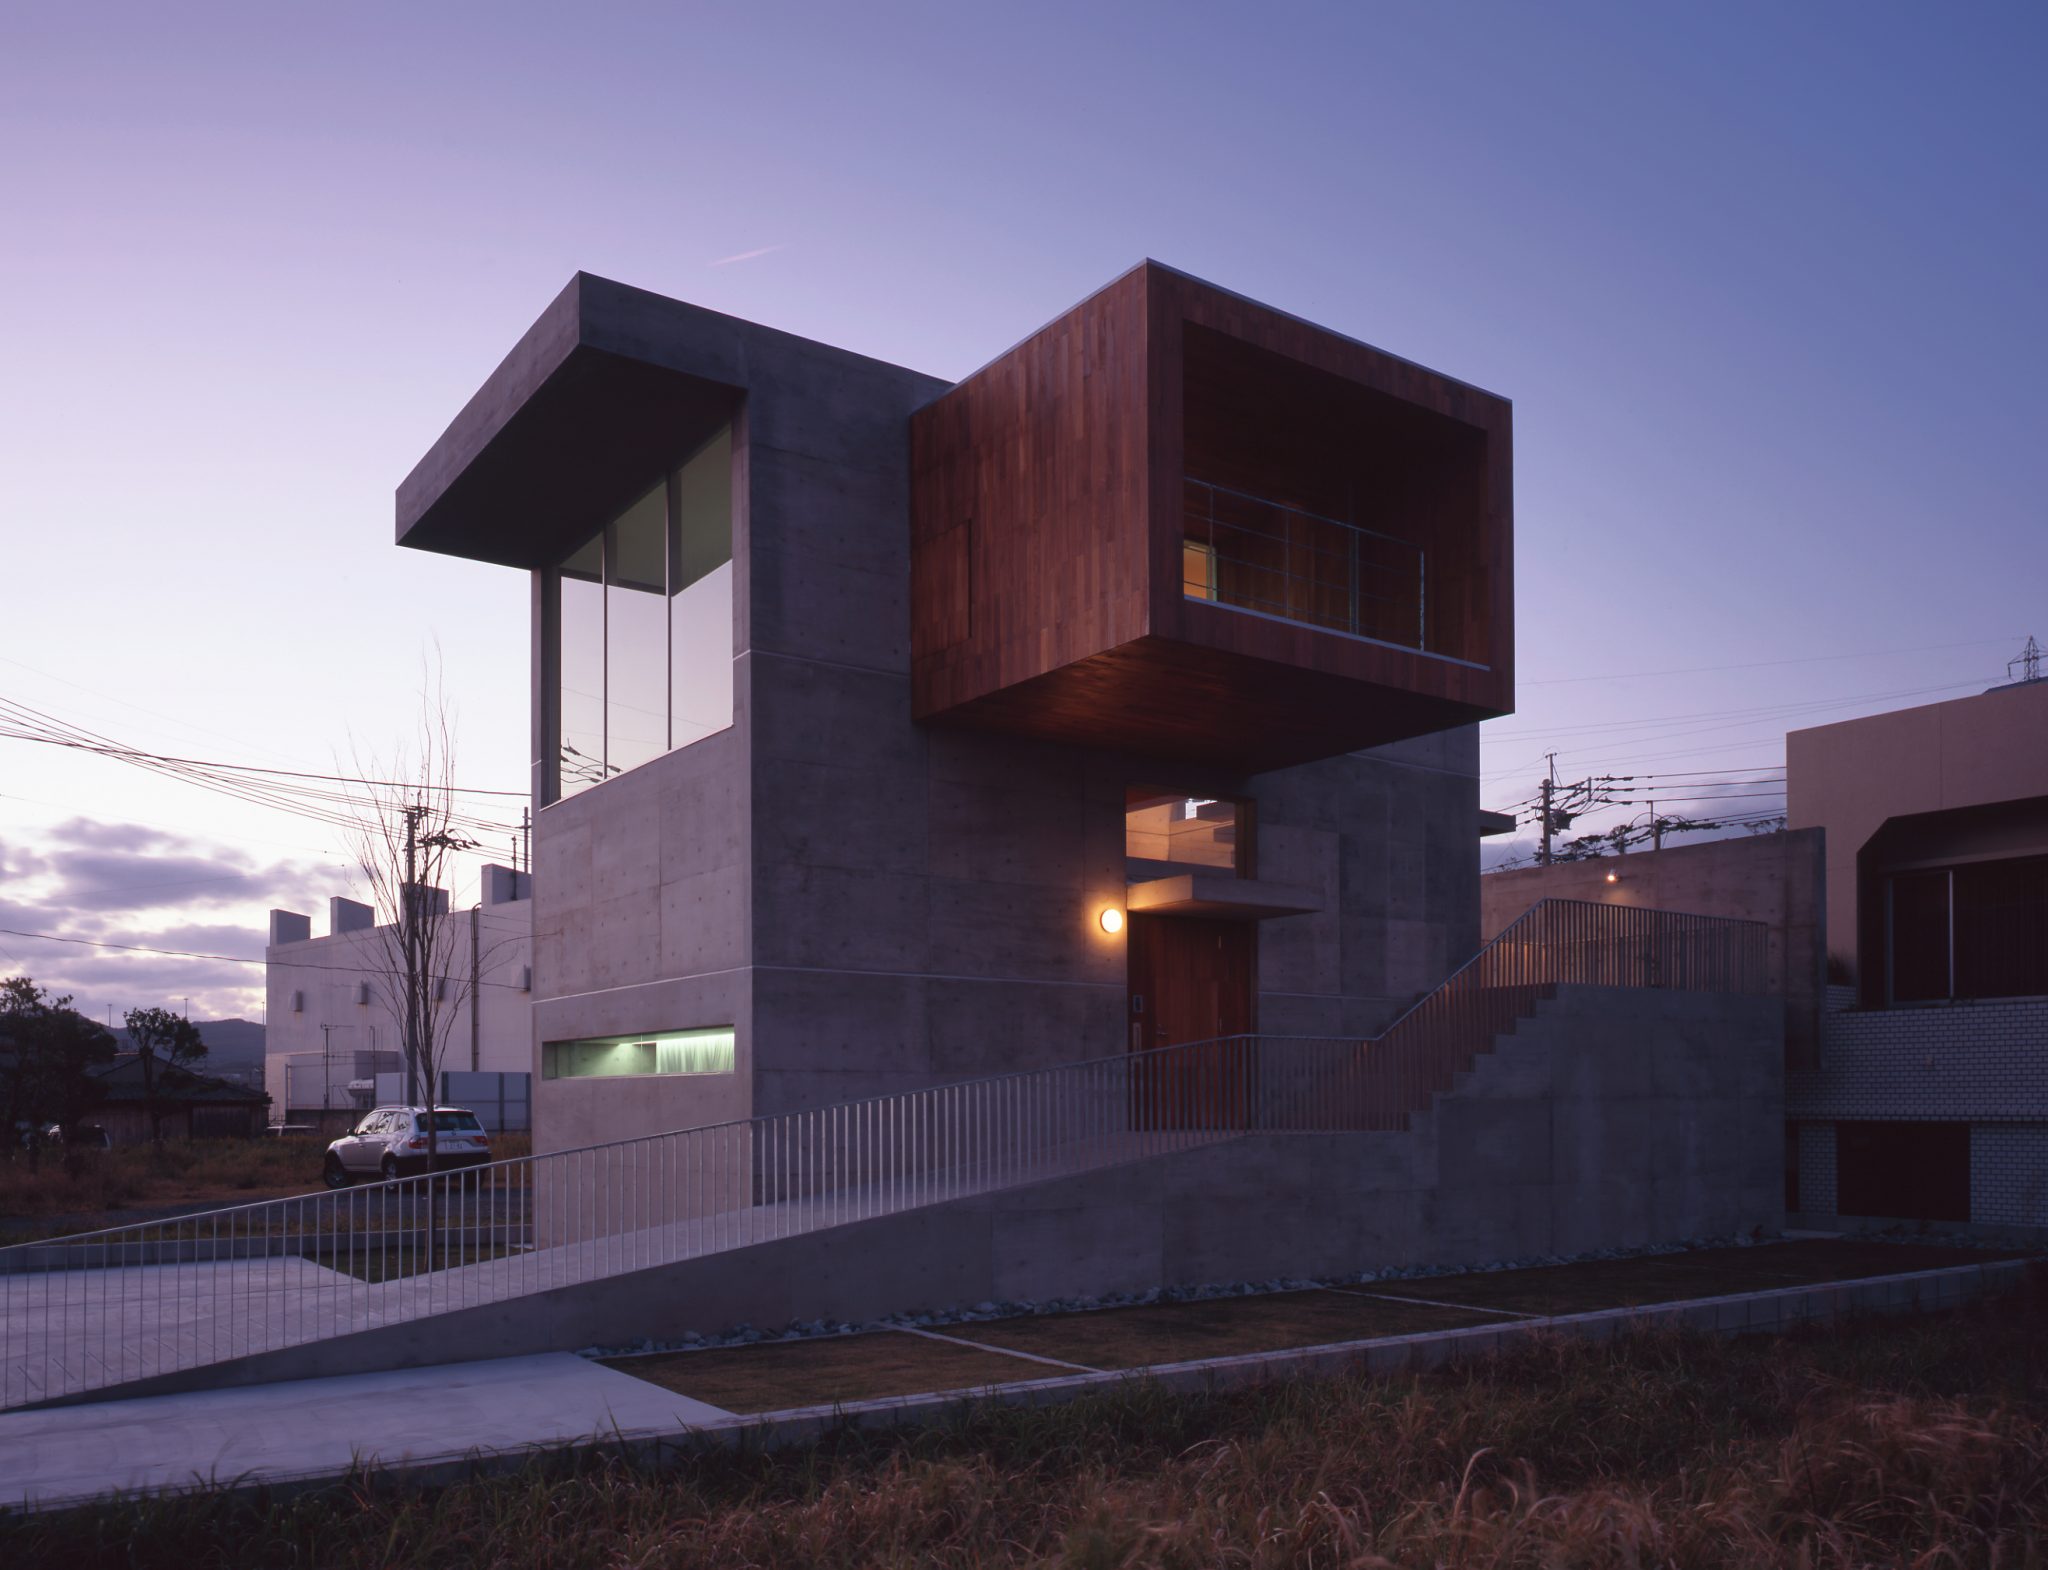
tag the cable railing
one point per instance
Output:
(126, 1304)
(1254, 554)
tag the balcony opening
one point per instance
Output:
(1314, 500)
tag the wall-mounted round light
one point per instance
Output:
(1613, 877)
(1112, 919)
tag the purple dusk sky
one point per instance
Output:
(1763, 282)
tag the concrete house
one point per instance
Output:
(892, 733)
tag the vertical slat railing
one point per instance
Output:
(119, 1305)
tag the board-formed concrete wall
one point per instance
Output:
(1612, 1118)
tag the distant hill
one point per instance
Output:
(230, 1043)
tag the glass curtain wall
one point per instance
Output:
(644, 627)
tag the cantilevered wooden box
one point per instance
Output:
(1181, 523)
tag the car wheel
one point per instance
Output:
(335, 1174)
(390, 1169)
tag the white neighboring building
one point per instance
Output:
(331, 1029)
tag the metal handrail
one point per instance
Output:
(1303, 595)
(126, 1303)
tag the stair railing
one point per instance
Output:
(126, 1304)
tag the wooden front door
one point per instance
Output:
(1190, 980)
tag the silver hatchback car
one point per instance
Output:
(391, 1142)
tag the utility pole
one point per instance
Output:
(1656, 827)
(408, 939)
(475, 998)
(1545, 791)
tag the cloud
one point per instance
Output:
(748, 256)
(113, 836)
(97, 880)
(18, 862)
(132, 884)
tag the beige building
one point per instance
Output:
(330, 1025)
(1937, 819)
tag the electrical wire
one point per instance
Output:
(227, 959)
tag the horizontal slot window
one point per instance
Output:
(706, 1051)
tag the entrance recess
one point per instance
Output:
(1191, 980)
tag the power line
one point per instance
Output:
(1757, 665)
(227, 959)
(336, 809)
(132, 753)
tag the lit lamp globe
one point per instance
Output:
(1112, 920)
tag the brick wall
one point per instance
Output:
(1959, 1062)
(1984, 1064)
(1817, 1168)
(2009, 1174)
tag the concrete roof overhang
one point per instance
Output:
(611, 386)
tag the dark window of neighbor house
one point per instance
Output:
(1979, 930)
(642, 627)
(1919, 937)
(2001, 921)
(1911, 1171)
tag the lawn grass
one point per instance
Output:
(1666, 1278)
(87, 1187)
(1160, 1333)
(1878, 1442)
(776, 1376)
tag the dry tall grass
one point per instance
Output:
(89, 1184)
(1917, 1443)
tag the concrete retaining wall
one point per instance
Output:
(1777, 879)
(1612, 1118)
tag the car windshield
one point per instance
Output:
(452, 1123)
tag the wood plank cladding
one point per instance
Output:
(1058, 584)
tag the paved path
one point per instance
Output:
(317, 1427)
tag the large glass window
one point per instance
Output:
(636, 633)
(643, 627)
(579, 707)
(700, 589)
(708, 1051)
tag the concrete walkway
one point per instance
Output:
(318, 1427)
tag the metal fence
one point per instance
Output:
(112, 1307)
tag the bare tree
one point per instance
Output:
(405, 836)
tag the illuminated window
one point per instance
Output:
(1170, 833)
(1198, 571)
(708, 1051)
